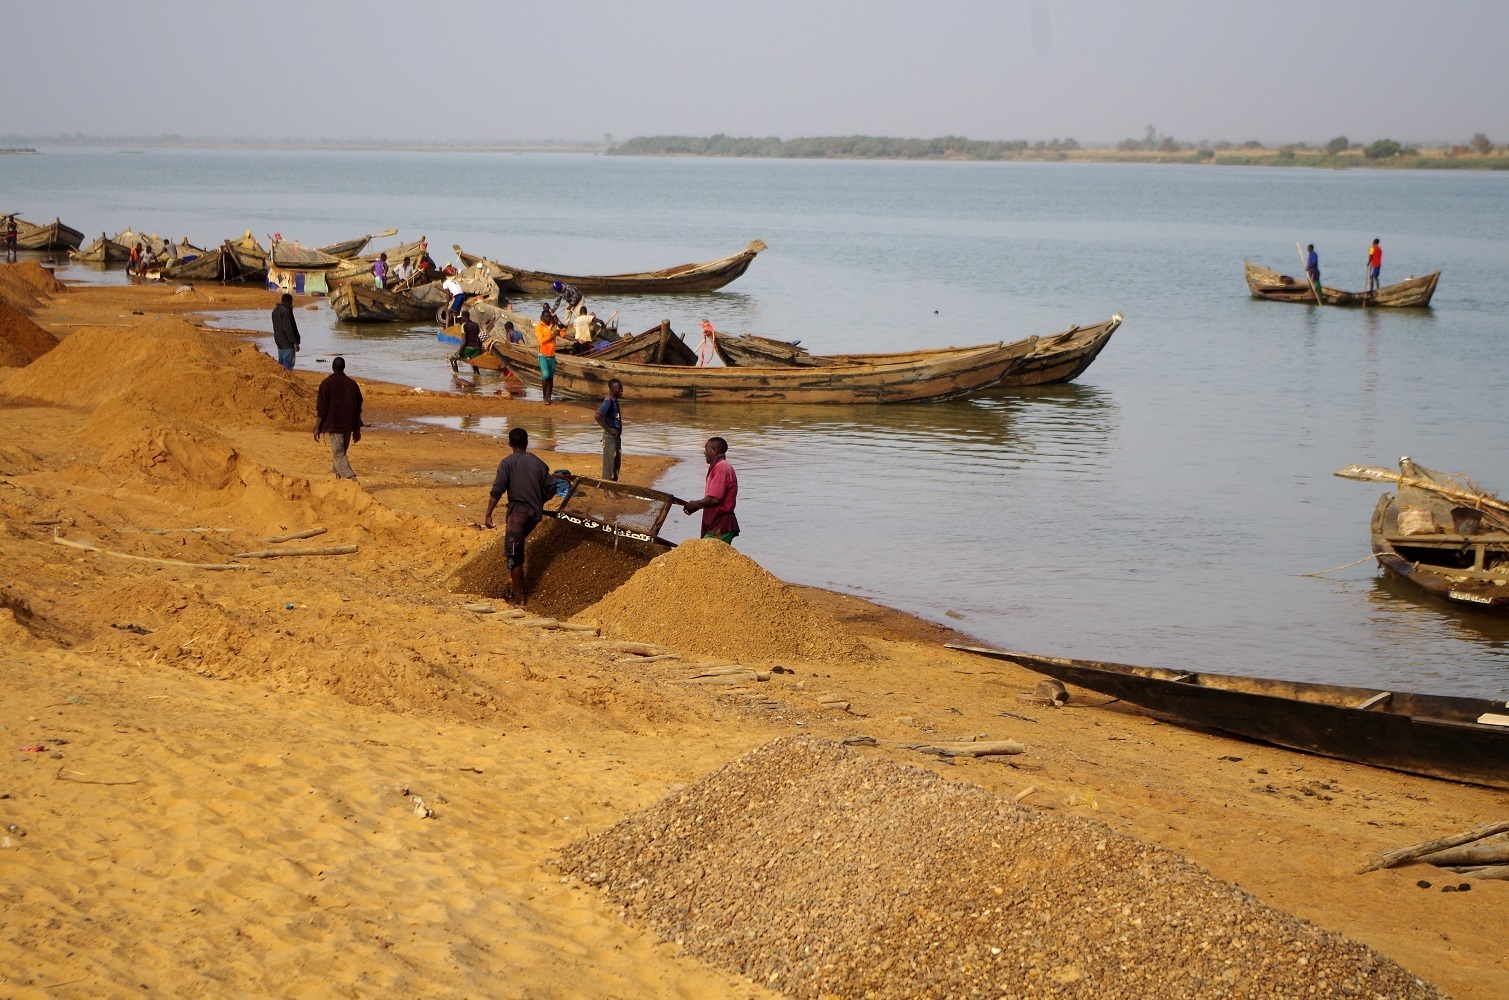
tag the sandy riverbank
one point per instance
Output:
(225, 801)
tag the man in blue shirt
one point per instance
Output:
(610, 418)
(1312, 267)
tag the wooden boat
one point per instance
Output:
(351, 248)
(290, 256)
(1410, 293)
(360, 267)
(659, 345)
(49, 236)
(102, 251)
(1440, 533)
(1045, 361)
(1459, 739)
(364, 302)
(959, 374)
(705, 277)
(221, 264)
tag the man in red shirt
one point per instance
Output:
(1375, 265)
(718, 520)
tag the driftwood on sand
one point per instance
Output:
(87, 547)
(329, 550)
(1389, 859)
(306, 533)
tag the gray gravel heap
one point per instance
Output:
(819, 870)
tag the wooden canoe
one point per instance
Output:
(364, 302)
(1441, 736)
(48, 236)
(659, 345)
(705, 277)
(219, 264)
(290, 256)
(958, 374)
(102, 251)
(1457, 548)
(1044, 361)
(350, 248)
(1410, 293)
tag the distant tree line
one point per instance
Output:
(841, 147)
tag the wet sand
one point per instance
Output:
(226, 798)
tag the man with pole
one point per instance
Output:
(1312, 270)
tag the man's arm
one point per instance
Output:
(500, 486)
(602, 420)
(492, 505)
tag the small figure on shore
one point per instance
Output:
(609, 417)
(1375, 265)
(471, 341)
(545, 332)
(1312, 266)
(709, 346)
(338, 412)
(569, 294)
(285, 331)
(380, 270)
(527, 481)
(11, 235)
(718, 520)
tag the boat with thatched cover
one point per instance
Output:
(705, 277)
(364, 302)
(1412, 293)
(49, 236)
(1044, 360)
(351, 248)
(102, 251)
(959, 373)
(1441, 533)
(1441, 736)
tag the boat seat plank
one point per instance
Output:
(1381, 696)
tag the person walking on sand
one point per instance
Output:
(610, 418)
(338, 411)
(285, 331)
(528, 482)
(718, 520)
(1375, 265)
(545, 332)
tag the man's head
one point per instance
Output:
(287, 299)
(382, 256)
(615, 388)
(715, 449)
(1310, 248)
(1375, 243)
(508, 324)
(556, 285)
(337, 364)
(518, 439)
(466, 314)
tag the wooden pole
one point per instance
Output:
(1391, 858)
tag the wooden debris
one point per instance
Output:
(329, 550)
(479, 609)
(859, 741)
(535, 622)
(575, 627)
(1494, 872)
(1477, 854)
(651, 659)
(982, 748)
(1019, 796)
(87, 547)
(306, 533)
(1389, 859)
(635, 648)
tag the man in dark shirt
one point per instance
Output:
(570, 294)
(339, 414)
(11, 231)
(285, 331)
(527, 481)
(471, 341)
(610, 418)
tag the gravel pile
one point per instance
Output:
(820, 870)
(706, 597)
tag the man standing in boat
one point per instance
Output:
(285, 331)
(610, 418)
(1312, 266)
(1375, 265)
(718, 520)
(571, 295)
(380, 270)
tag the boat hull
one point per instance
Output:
(1433, 735)
(1413, 293)
(51, 236)
(705, 277)
(359, 302)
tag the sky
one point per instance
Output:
(1094, 70)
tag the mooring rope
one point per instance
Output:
(1334, 569)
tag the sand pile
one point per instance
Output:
(170, 368)
(706, 597)
(819, 870)
(31, 273)
(566, 568)
(21, 340)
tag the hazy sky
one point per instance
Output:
(1095, 70)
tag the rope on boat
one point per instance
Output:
(1347, 566)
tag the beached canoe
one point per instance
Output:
(958, 374)
(351, 248)
(1459, 739)
(657, 346)
(1410, 293)
(704, 277)
(1440, 533)
(102, 251)
(48, 236)
(1045, 360)
(364, 302)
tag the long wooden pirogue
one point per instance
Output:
(1440, 533)
(1410, 293)
(1059, 358)
(102, 251)
(954, 374)
(364, 302)
(705, 277)
(658, 345)
(52, 235)
(1460, 739)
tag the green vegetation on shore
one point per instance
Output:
(1479, 154)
